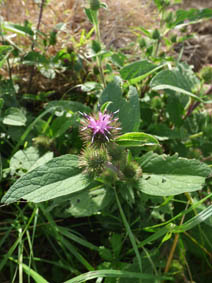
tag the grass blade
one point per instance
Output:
(114, 274)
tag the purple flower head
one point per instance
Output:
(100, 128)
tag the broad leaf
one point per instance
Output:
(66, 105)
(191, 15)
(172, 80)
(129, 111)
(136, 139)
(42, 160)
(34, 57)
(61, 124)
(14, 117)
(137, 71)
(83, 203)
(23, 160)
(175, 109)
(58, 177)
(22, 30)
(171, 175)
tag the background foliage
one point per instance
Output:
(146, 217)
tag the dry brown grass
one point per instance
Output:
(115, 21)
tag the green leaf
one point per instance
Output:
(81, 204)
(118, 59)
(96, 46)
(196, 220)
(105, 106)
(1, 104)
(22, 30)
(91, 15)
(34, 57)
(61, 124)
(114, 274)
(7, 88)
(42, 160)
(66, 105)
(173, 80)
(89, 86)
(58, 177)
(116, 244)
(5, 51)
(171, 175)
(175, 109)
(136, 139)
(137, 71)
(105, 254)
(48, 72)
(0, 168)
(23, 160)
(113, 93)
(191, 15)
(32, 273)
(14, 117)
(67, 232)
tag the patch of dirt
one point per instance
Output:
(197, 51)
(115, 25)
(115, 21)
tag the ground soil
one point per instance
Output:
(116, 23)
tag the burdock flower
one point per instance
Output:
(99, 128)
(93, 160)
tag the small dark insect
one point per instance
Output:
(147, 178)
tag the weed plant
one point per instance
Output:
(108, 180)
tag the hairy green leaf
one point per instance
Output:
(173, 80)
(129, 111)
(171, 175)
(136, 69)
(66, 105)
(58, 177)
(14, 117)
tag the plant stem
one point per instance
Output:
(98, 36)
(20, 256)
(34, 42)
(176, 238)
(127, 226)
(7, 59)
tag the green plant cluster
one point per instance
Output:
(129, 202)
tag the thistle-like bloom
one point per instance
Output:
(93, 160)
(100, 128)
